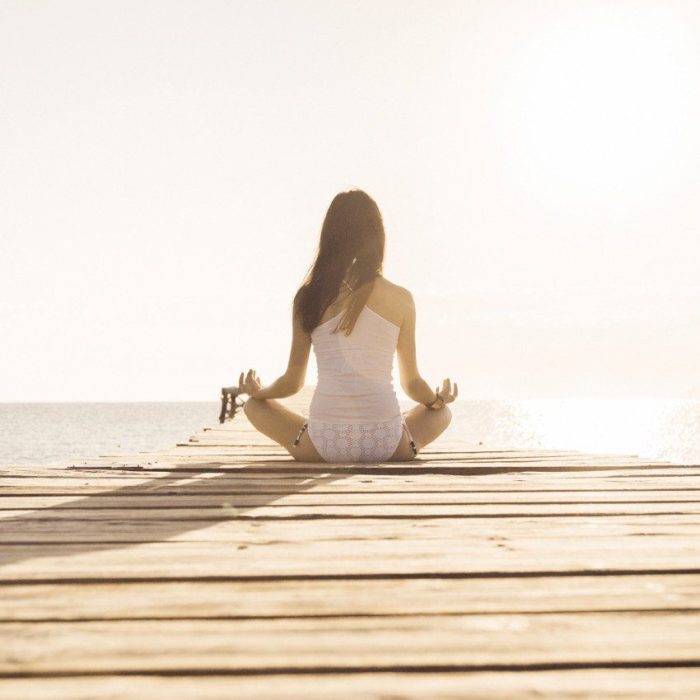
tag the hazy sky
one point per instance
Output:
(165, 168)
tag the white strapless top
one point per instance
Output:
(355, 372)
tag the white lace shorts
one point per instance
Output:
(357, 442)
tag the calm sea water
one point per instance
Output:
(42, 433)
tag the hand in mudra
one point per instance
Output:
(249, 383)
(448, 393)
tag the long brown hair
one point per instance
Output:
(351, 247)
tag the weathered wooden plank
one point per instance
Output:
(133, 497)
(534, 481)
(291, 470)
(469, 642)
(282, 465)
(577, 684)
(347, 597)
(116, 528)
(83, 484)
(476, 556)
(50, 506)
(287, 468)
(342, 493)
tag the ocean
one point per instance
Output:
(668, 429)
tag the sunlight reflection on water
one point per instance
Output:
(667, 429)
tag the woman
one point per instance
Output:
(355, 320)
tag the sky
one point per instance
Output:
(165, 168)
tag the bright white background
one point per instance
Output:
(165, 168)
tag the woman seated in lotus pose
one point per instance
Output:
(354, 319)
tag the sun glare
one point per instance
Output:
(599, 103)
(615, 426)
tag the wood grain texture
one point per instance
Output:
(468, 642)
(577, 684)
(347, 597)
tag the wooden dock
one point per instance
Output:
(222, 568)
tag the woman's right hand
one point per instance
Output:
(448, 393)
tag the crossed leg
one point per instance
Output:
(425, 425)
(282, 425)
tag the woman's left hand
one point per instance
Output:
(249, 384)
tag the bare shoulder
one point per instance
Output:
(395, 292)
(395, 301)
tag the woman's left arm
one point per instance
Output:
(292, 380)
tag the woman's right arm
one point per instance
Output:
(412, 383)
